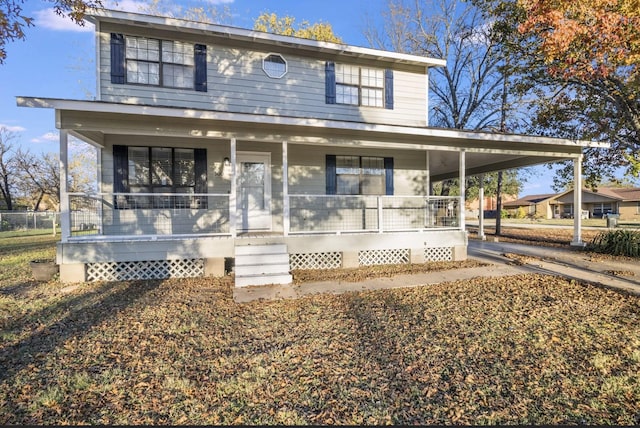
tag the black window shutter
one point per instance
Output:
(388, 181)
(330, 82)
(330, 171)
(120, 175)
(200, 169)
(388, 89)
(200, 160)
(117, 58)
(200, 52)
(120, 169)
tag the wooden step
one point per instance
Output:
(262, 265)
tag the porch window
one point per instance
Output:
(359, 175)
(166, 63)
(358, 86)
(161, 170)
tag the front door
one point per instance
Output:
(254, 191)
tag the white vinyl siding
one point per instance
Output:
(237, 83)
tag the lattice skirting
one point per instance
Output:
(331, 260)
(384, 257)
(438, 254)
(154, 269)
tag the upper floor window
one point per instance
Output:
(358, 86)
(275, 66)
(167, 63)
(159, 62)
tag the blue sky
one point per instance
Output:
(57, 59)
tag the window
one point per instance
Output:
(274, 66)
(160, 170)
(159, 62)
(600, 210)
(359, 175)
(166, 63)
(359, 86)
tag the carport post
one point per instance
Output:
(577, 202)
(481, 208)
(65, 215)
(462, 172)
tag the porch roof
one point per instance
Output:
(485, 151)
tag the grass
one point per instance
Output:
(529, 349)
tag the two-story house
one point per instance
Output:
(221, 146)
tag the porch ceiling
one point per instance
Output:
(486, 152)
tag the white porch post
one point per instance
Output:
(427, 174)
(462, 187)
(577, 202)
(234, 187)
(286, 210)
(99, 188)
(481, 235)
(65, 217)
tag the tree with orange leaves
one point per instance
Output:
(581, 61)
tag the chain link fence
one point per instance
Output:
(29, 221)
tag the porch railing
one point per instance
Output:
(351, 214)
(130, 214)
(180, 214)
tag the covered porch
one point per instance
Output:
(268, 183)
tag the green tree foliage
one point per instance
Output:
(286, 26)
(14, 22)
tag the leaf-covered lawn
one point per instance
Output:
(529, 349)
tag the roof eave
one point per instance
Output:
(97, 15)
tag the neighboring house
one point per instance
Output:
(600, 202)
(221, 146)
(536, 206)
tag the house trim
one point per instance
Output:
(257, 37)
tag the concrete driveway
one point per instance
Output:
(570, 263)
(504, 259)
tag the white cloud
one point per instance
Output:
(12, 128)
(46, 138)
(47, 18)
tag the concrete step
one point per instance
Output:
(246, 281)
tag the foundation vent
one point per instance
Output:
(153, 269)
(384, 257)
(438, 254)
(316, 261)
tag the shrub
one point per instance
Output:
(617, 243)
(521, 213)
